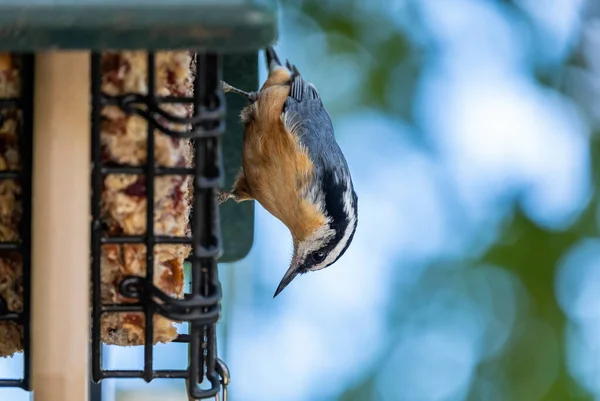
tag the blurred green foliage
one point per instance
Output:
(394, 50)
(535, 353)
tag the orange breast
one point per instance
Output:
(277, 168)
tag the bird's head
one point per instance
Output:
(324, 243)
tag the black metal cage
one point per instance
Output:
(201, 306)
(17, 171)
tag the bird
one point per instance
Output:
(294, 168)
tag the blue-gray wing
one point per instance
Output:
(306, 117)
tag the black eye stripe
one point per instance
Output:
(334, 203)
(334, 207)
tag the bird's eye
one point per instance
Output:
(318, 257)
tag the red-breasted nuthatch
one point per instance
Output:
(293, 166)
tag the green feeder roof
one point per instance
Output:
(221, 25)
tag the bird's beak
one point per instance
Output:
(289, 275)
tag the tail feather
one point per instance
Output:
(299, 88)
(294, 70)
(272, 58)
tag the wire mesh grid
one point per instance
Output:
(201, 306)
(16, 117)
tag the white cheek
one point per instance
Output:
(328, 260)
(336, 251)
(310, 245)
(319, 266)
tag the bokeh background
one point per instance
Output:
(471, 130)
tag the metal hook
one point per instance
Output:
(223, 371)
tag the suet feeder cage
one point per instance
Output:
(114, 139)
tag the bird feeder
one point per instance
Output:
(113, 145)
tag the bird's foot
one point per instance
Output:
(223, 196)
(251, 96)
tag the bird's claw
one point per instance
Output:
(251, 96)
(227, 88)
(223, 196)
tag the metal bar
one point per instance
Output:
(118, 100)
(10, 175)
(149, 311)
(12, 317)
(135, 239)
(11, 246)
(14, 103)
(96, 244)
(141, 170)
(137, 374)
(206, 234)
(11, 383)
(95, 391)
